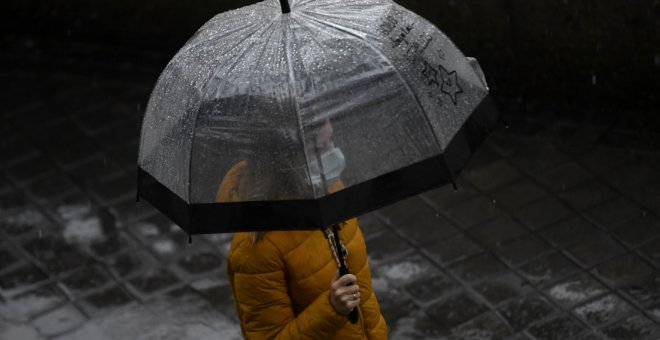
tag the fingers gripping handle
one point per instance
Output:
(343, 270)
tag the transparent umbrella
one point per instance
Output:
(328, 109)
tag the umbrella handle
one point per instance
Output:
(343, 270)
(353, 315)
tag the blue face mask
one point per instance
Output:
(333, 162)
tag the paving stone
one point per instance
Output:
(645, 293)
(105, 300)
(163, 241)
(23, 221)
(7, 259)
(20, 277)
(548, 268)
(451, 249)
(70, 206)
(50, 188)
(634, 177)
(131, 262)
(111, 244)
(127, 210)
(518, 194)
(217, 293)
(563, 327)
(569, 232)
(502, 288)
(484, 156)
(387, 246)
(613, 213)
(478, 267)
(444, 198)
(11, 200)
(491, 176)
(152, 280)
(57, 255)
(417, 325)
(526, 310)
(482, 327)
(201, 262)
(97, 168)
(72, 155)
(639, 181)
(522, 249)
(434, 228)
(56, 134)
(542, 213)
(497, 231)
(634, 327)
(604, 310)
(26, 305)
(474, 211)
(417, 221)
(16, 149)
(150, 228)
(563, 177)
(114, 189)
(520, 336)
(534, 158)
(575, 289)
(88, 278)
(371, 225)
(166, 248)
(126, 153)
(587, 195)
(652, 251)
(623, 270)
(429, 289)
(30, 170)
(59, 321)
(598, 249)
(503, 143)
(394, 305)
(638, 231)
(591, 336)
(95, 121)
(403, 271)
(455, 310)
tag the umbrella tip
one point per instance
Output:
(285, 6)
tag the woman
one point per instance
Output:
(286, 283)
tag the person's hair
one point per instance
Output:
(275, 173)
(259, 184)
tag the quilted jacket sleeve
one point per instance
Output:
(257, 277)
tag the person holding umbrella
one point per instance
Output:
(248, 102)
(285, 283)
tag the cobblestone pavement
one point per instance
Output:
(554, 232)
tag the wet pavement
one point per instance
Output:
(554, 232)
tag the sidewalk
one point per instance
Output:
(554, 232)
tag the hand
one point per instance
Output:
(344, 293)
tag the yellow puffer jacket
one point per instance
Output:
(281, 283)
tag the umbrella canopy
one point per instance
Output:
(334, 109)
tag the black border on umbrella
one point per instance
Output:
(319, 213)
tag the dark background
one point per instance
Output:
(581, 60)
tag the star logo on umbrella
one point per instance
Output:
(450, 85)
(431, 74)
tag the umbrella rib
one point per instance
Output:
(396, 70)
(295, 100)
